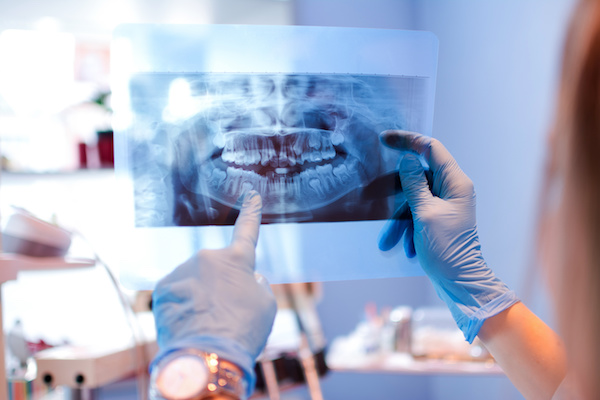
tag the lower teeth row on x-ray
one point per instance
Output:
(307, 143)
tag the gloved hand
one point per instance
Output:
(443, 232)
(214, 303)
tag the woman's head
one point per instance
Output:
(570, 230)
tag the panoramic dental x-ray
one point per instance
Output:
(307, 143)
(201, 123)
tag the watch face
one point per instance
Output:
(182, 378)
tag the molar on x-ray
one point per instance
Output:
(308, 143)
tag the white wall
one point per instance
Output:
(387, 14)
(99, 17)
(498, 64)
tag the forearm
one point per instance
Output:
(530, 353)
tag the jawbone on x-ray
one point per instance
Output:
(308, 143)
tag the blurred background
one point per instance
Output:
(497, 77)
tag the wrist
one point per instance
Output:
(471, 320)
(474, 296)
(226, 348)
(191, 374)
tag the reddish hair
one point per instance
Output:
(575, 164)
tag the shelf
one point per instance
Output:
(11, 264)
(406, 364)
(58, 174)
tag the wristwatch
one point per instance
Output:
(191, 374)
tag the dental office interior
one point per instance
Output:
(498, 63)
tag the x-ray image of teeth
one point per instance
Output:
(308, 143)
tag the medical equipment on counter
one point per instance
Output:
(20, 367)
(28, 235)
(91, 367)
(18, 345)
(33, 244)
(295, 352)
(403, 340)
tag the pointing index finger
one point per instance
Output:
(245, 230)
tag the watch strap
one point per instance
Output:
(225, 379)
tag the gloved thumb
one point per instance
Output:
(414, 183)
(245, 230)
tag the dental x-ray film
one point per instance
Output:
(205, 113)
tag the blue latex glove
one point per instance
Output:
(214, 303)
(443, 232)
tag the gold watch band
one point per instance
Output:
(225, 379)
(228, 378)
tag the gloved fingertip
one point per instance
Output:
(405, 140)
(410, 164)
(247, 224)
(409, 250)
(385, 243)
(394, 138)
(252, 199)
(391, 234)
(409, 242)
